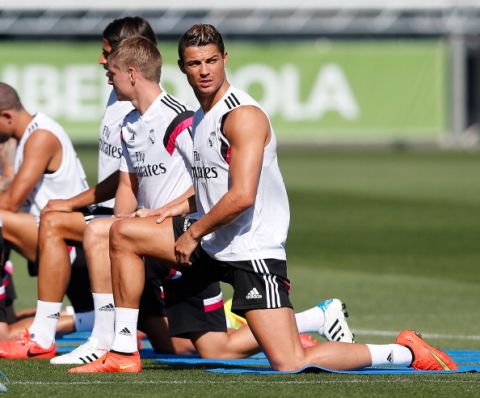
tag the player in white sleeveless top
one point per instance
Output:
(46, 165)
(67, 180)
(260, 231)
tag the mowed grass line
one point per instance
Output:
(41, 379)
(393, 234)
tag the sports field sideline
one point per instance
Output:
(394, 234)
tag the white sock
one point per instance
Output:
(104, 325)
(390, 354)
(311, 320)
(44, 325)
(125, 330)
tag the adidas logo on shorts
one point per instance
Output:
(253, 294)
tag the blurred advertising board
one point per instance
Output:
(314, 91)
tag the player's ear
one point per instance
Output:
(132, 74)
(7, 116)
(225, 58)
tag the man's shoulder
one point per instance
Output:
(172, 104)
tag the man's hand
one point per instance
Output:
(184, 247)
(58, 205)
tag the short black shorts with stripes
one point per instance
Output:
(190, 309)
(257, 284)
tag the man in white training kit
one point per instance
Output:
(46, 167)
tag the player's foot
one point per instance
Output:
(425, 357)
(307, 340)
(233, 320)
(85, 353)
(335, 327)
(112, 362)
(25, 348)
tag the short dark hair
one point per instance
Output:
(140, 53)
(9, 98)
(200, 35)
(122, 28)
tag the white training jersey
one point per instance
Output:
(157, 147)
(109, 145)
(67, 181)
(259, 232)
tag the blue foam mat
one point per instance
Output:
(364, 371)
(468, 361)
(243, 366)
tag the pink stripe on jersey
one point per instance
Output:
(173, 137)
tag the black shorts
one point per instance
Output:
(152, 302)
(189, 310)
(92, 212)
(7, 296)
(78, 289)
(257, 284)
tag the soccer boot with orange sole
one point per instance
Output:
(25, 348)
(425, 357)
(112, 362)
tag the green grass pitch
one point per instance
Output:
(394, 234)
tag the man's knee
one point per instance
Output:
(95, 234)
(51, 223)
(119, 233)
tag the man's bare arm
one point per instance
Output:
(42, 152)
(101, 192)
(126, 196)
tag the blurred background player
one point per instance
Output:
(46, 166)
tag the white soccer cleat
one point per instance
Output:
(83, 354)
(335, 327)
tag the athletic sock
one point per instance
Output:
(311, 320)
(44, 325)
(125, 330)
(390, 354)
(104, 325)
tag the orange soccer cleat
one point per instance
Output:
(25, 348)
(307, 340)
(112, 362)
(425, 357)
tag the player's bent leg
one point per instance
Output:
(20, 230)
(156, 328)
(130, 240)
(222, 345)
(96, 245)
(276, 332)
(54, 261)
